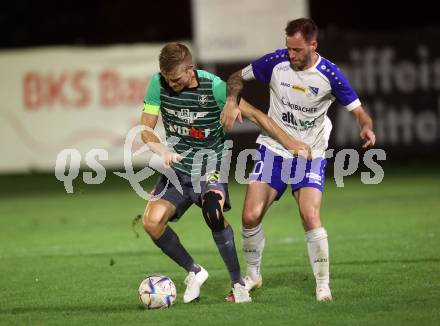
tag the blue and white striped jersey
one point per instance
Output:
(299, 100)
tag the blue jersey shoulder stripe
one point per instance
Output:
(263, 66)
(341, 88)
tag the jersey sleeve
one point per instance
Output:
(219, 91)
(247, 73)
(152, 97)
(263, 67)
(341, 88)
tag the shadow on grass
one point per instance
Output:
(107, 308)
(74, 309)
(362, 262)
(298, 277)
(388, 261)
(144, 254)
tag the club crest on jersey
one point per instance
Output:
(203, 99)
(186, 115)
(314, 90)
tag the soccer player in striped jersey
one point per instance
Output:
(190, 102)
(303, 85)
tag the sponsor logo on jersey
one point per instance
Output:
(299, 88)
(191, 132)
(203, 99)
(295, 87)
(285, 67)
(297, 124)
(186, 115)
(298, 107)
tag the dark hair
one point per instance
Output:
(172, 55)
(305, 26)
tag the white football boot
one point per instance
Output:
(241, 294)
(323, 293)
(252, 284)
(193, 283)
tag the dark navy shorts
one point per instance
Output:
(189, 196)
(278, 171)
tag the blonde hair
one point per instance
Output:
(172, 55)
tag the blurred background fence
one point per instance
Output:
(73, 75)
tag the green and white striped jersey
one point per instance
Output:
(193, 116)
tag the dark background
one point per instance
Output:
(343, 24)
(25, 23)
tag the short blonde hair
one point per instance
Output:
(172, 55)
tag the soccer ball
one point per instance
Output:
(157, 291)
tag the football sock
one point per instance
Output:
(317, 247)
(170, 244)
(224, 240)
(253, 245)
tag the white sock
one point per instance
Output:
(253, 245)
(317, 247)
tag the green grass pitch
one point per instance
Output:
(75, 259)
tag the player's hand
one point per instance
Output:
(170, 158)
(368, 135)
(230, 113)
(299, 149)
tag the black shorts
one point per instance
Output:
(189, 196)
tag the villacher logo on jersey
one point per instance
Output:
(297, 107)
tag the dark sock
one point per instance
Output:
(224, 240)
(170, 244)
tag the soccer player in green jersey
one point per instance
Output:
(191, 102)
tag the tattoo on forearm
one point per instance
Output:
(235, 84)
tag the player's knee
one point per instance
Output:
(151, 225)
(310, 218)
(251, 217)
(212, 211)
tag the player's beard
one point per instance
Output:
(302, 63)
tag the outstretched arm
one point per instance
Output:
(235, 85)
(366, 125)
(149, 121)
(296, 147)
(231, 111)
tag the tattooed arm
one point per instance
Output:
(231, 111)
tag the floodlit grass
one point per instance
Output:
(70, 259)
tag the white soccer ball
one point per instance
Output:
(157, 291)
